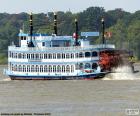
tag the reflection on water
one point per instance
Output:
(70, 98)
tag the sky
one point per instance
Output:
(38, 6)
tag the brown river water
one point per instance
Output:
(111, 96)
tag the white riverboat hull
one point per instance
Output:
(81, 77)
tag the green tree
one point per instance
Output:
(134, 37)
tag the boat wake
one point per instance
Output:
(121, 73)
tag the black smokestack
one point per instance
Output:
(30, 44)
(103, 31)
(55, 23)
(76, 32)
(31, 25)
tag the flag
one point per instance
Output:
(108, 34)
(75, 35)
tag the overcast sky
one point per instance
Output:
(37, 6)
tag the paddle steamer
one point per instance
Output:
(50, 57)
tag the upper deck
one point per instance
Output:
(53, 43)
(61, 49)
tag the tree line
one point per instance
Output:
(124, 26)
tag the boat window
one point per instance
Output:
(72, 68)
(32, 56)
(54, 68)
(63, 68)
(58, 68)
(41, 68)
(76, 55)
(37, 68)
(15, 68)
(67, 68)
(41, 56)
(45, 68)
(24, 68)
(81, 66)
(49, 56)
(87, 65)
(12, 55)
(45, 56)
(24, 56)
(16, 55)
(81, 55)
(67, 55)
(94, 66)
(58, 56)
(28, 68)
(28, 56)
(87, 54)
(19, 55)
(37, 56)
(43, 43)
(54, 56)
(20, 68)
(63, 56)
(21, 37)
(50, 68)
(72, 55)
(77, 66)
(12, 67)
(24, 37)
(32, 68)
(94, 54)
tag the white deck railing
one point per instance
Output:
(73, 48)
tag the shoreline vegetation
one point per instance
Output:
(3, 59)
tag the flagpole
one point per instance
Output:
(103, 30)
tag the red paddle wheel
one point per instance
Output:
(109, 59)
(104, 61)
